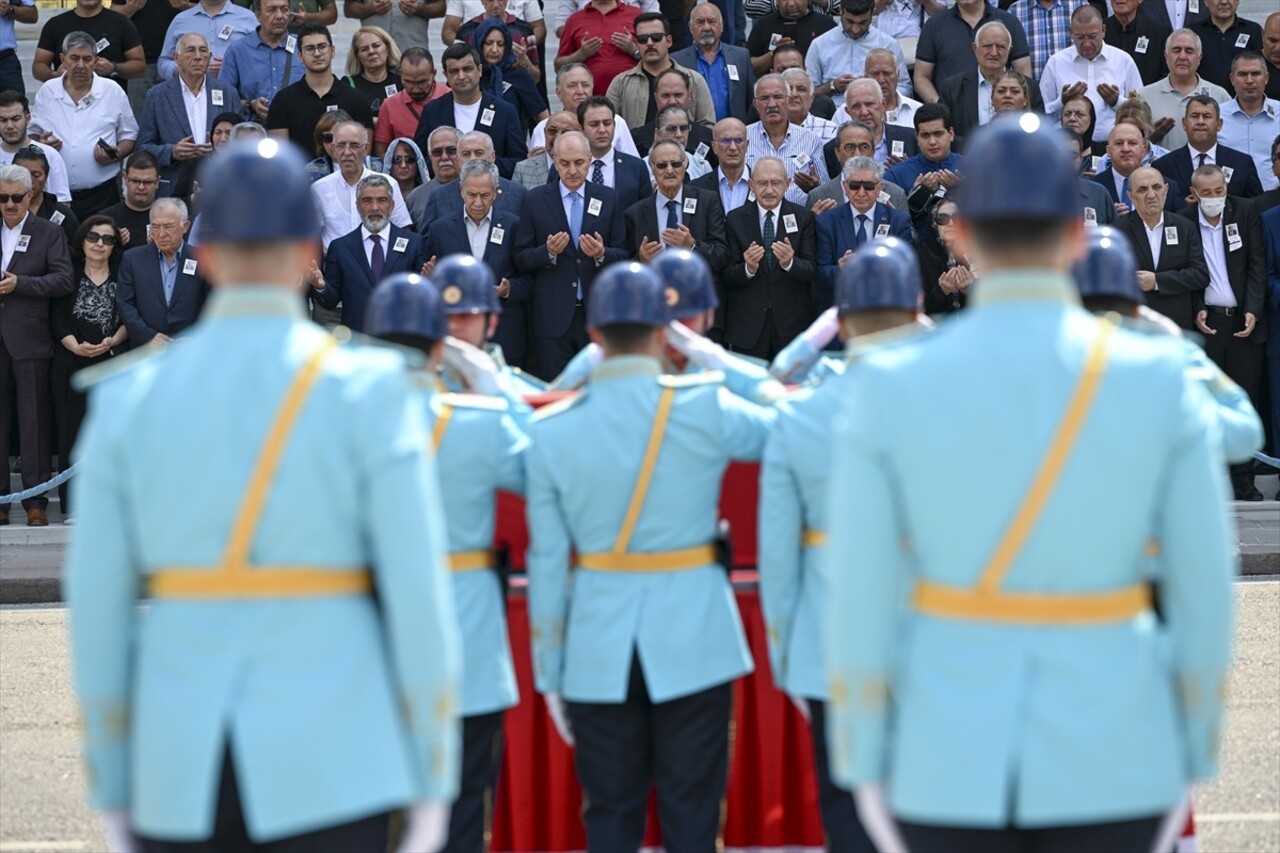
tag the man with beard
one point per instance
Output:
(398, 116)
(358, 261)
(725, 67)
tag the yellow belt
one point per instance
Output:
(814, 538)
(657, 561)
(466, 561)
(260, 582)
(952, 602)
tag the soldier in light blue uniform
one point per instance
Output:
(877, 297)
(266, 695)
(1108, 280)
(998, 678)
(639, 633)
(479, 450)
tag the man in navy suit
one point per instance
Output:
(487, 234)
(160, 291)
(1128, 149)
(843, 230)
(568, 231)
(446, 199)
(1202, 119)
(468, 108)
(359, 260)
(864, 102)
(626, 175)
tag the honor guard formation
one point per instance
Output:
(423, 430)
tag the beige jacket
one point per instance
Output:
(629, 94)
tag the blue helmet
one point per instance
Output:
(1108, 267)
(257, 191)
(466, 286)
(628, 292)
(1019, 167)
(406, 304)
(690, 288)
(882, 274)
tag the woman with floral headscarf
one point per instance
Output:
(506, 73)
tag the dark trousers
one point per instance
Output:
(1124, 836)
(11, 72)
(1240, 359)
(87, 202)
(68, 412)
(367, 835)
(767, 345)
(839, 813)
(30, 378)
(481, 760)
(681, 747)
(553, 354)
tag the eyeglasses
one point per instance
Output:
(1075, 114)
(943, 218)
(675, 128)
(651, 38)
(315, 49)
(771, 99)
(728, 141)
(664, 165)
(140, 182)
(348, 146)
(165, 227)
(448, 150)
(857, 146)
(104, 239)
(404, 161)
(12, 198)
(868, 186)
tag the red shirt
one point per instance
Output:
(398, 115)
(608, 61)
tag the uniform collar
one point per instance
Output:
(1025, 286)
(248, 300)
(622, 366)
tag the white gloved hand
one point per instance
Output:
(426, 828)
(1171, 826)
(701, 352)
(802, 705)
(578, 371)
(555, 707)
(797, 358)
(873, 811)
(476, 367)
(115, 828)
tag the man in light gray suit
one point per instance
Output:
(853, 139)
(178, 114)
(725, 67)
(536, 170)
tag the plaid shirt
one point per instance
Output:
(1048, 30)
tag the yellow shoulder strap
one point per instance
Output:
(236, 557)
(1033, 504)
(646, 471)
(442, 424)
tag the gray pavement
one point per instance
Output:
(42, 808)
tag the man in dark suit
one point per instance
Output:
(1190, 12)
(468, 108)
(160, 291)
(960, 92)
(725, 67)
(1232, 315)
(446, 198)
(768, 284)
(846, 228)
(488, 234)
(35, 268)
(624, 174)
(1127, 148)
(864, 102)
(1096, 205)
(1172, 271)
(676, 214)
(1201, 121)
(359, 260)
(568, 231)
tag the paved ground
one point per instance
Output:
(41, 800)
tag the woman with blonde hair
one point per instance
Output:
(373, 65)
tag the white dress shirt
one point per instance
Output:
(9, 240)
(660, 202)
(336, 203)
(1219, 292)
(903, 115)
(367, 237)
(870, 224)
(1210, 156)
(103, 113)
(478, 233)
(55, 183)
(986, 110)
(197, 111)
(606, 162)
(1155, 239)
(1177, 10)
(1111, 65)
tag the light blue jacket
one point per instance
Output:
(585, 459)
(978, 723)
(481, 451)
(334, 707)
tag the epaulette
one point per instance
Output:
(691, 380)
(552, 409)
(474, 401)
(90, 376)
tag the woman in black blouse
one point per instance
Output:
(86, 325)
(947, 275)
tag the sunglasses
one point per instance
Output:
(675, 128)
(869, 186)
(944, 218)
(450, 150)
(15, 198)
(104, 239)
(651, 38)
(404, 161)
(664, 165)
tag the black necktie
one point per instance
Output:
(377, 259)
(769, 234)
(860, 232)
(672, 222)
(1202, 158)
(597, 172)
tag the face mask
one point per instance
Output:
(1213, 206)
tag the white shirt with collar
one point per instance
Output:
(986, 110)
(1155, 239)
(1111, 65)
(1210, 156)
(366, 237)
(103, 113)
(660, 203)
(336, 203)
(478, 233)
(903, 115)
(1177, 10)
(1219, 292)
(197, 111)
(871, 220)
(606, 161)
(9, 240)
(779, 233)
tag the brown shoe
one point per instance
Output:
(37, 518)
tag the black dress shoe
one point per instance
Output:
(1248, 492)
